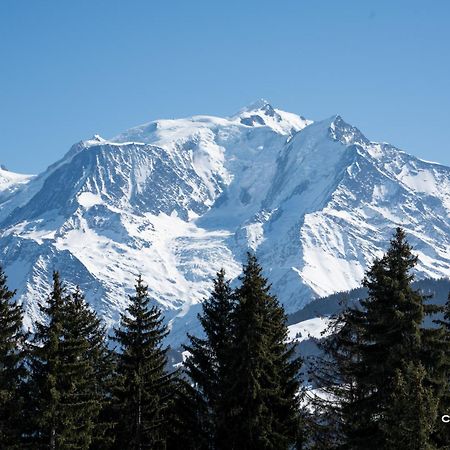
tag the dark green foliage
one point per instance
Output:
(142, 391)
(438, 348)
(337, 420)
(384, 377)
(208, 364)
(66, 387)
(263, 390)
(409, 418)
(44, 388)
(387, 387)
(245, 379)
(11, 365)
(188, 420)
(87, 374)
(392, 354)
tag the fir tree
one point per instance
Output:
(264, 387)
(393, 350)
(188, 421)
(387, 368)
(86, 374)
(67, 375)
(392, 356)
(338, 421)
(208, 363)
(43, 416)
(11, 365)
(438, 349)
(142, 390)
(409, 419)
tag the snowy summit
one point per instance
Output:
(176, 200)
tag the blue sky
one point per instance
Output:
(72, 69)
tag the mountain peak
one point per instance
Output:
(258, 113)
(261, 106)
(261, 103)
(177, 199)
(342, 131)
(97, 138)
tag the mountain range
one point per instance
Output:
(176, 200)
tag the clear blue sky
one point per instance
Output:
(70, 69)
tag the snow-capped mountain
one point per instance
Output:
(176, 200)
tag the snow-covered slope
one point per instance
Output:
(10, 181)
(176, 200)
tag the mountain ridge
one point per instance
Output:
(177, 199)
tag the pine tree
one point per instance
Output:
(437, 348)
(11, 365)
(409, 419)
(43, 416)
(387, 365)
(387, 369)
(142, 391)
(208, 363)
(338, 421)
(391, 355)
(67, 376)
(264, 387)
(86, 370)
(188, 421)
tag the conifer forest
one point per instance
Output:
(380, 378)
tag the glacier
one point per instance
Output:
(176, 200)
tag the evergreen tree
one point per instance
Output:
(409, 419)
(142, 394)
(68, 375)
(392, 354)
(11, 365)
(438, 349)
(338, 421)
(188, 420)
(389, 365)
(264, 385)
(208, 363)
(43, 423)
(388, 370)
(86, 372)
